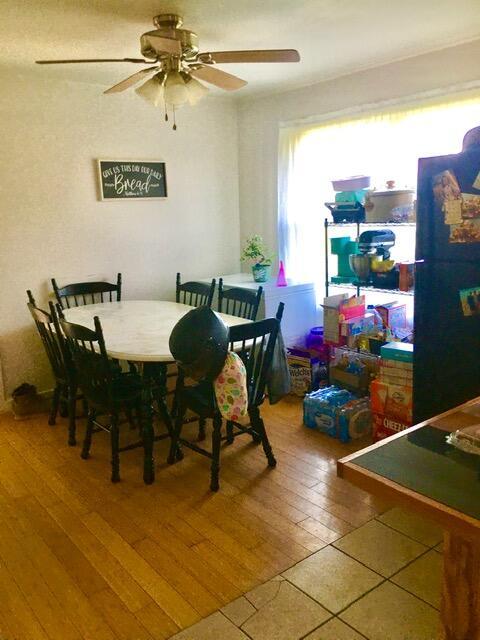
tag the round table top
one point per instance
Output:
(137, 330)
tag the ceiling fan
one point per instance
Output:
(178, 65)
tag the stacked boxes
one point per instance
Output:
(337, 310)
(392, 392)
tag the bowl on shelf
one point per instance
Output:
(360, 265)
(381, 266)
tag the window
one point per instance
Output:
(384, 145)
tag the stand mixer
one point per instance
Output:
(374, 247)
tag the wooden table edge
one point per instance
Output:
(446, 516)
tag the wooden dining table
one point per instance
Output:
(419, 470)
(138, 331)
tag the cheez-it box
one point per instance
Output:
(394, 400)
(385, 426)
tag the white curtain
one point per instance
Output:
(384, 145)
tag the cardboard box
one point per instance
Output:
(384, 426)
(303, 370)
(406, 280)
(337, 309)
(394, 400)
(401, 351)
(355, 326)
(350, 381)
(406, 379)
(396, 365)
(394, 314)
(398, 375)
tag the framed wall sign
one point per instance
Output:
(132, 180)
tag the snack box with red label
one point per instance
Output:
(385, 426)
(394, 314)
(394, 400)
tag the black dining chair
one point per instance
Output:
(254, 342)
(109, 392)
(63, 369)
(79, 293)
(239, 302)
(195, 294)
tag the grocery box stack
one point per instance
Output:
(392, 392)
(308, 364)
(338, 413)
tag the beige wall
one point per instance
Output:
(52, 223)
(259, 120)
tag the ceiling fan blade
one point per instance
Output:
(218, 78)
(135, 60)
(132, 80)
(161, 45)
(259, 55)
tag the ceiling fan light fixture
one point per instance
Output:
(176, 93)
(152, 90)
(196, 90)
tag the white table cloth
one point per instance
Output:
(137, 330)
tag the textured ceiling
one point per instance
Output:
(334, 37)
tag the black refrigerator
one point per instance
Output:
(447, 289)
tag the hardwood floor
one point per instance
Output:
(81, 558)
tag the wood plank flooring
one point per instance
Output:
(81, 558)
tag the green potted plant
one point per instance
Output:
(256, 252)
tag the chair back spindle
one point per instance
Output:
(239, 302)
(53, 342)
(94, 369)
(81, 293)
(254, 343)
(195, 294)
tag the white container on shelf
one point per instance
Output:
(391, 205)
(353, 183)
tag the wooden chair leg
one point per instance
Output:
(216, 441)
(63, 404)
(202, 423)
(259, 427)
(230, 437)
(72, 408)
(55, 402)
(146, 421)
(176, 431)
(115, 437)
(87, 443)
(130, 418)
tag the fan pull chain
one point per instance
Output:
(165, 107)
(174, 121)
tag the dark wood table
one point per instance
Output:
(419, 470)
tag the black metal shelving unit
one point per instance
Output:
(357, 287)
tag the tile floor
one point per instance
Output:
(380, 582)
